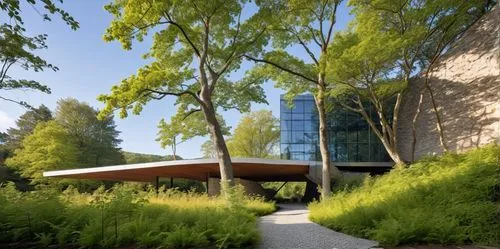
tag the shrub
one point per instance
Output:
(449, 199)
(126, 215)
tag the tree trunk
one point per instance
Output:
(174, 149)
(385, 135)
(414, 127)
(323, 142)
(221, 151)
(439, 124)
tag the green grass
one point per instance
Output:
(126, 216)
(452, 199)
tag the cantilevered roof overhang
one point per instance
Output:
(198, 169)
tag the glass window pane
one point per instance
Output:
(298, 125)
(353, 153)
(363, 136)
(352, 136)
(363, 152)
(299, 106)
(310, 116)
(308, 148)
(286, 116)
(341, 152)
(284, 106)
(297, 137)
(309, 138)
(285, 148)
(311, 157)
(297, 148)
(341, 136)
(375, 152)
(309, 106)
(285, 137)
(297, 156)
(297, 116)
(286, 125)
(308, 125)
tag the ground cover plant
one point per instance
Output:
(452, 199)
(124, 216)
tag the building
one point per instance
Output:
(351, 139)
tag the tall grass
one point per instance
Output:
(452, 199)
(125, 216)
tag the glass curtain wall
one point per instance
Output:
(351, 139)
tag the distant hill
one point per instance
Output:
(132, 157)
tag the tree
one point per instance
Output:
(17, 48)
(311, 30)
(131, 157)
(49, 147)
(256, 135)
(26, 123)
(182, 128)
(207, 149)
(4, 151)
(387, 44)
(96, 139)
(196, 45)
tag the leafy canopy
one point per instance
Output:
(298, 28)
(183, 127)
(256, 135)
(74, 139)
(17, 48)
(96, 139)
(193, 43)
(26, 123)
(50, 147)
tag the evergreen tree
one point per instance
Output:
(26, 123)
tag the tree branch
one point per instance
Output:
(163, 94)
(306, 48)
(190, 112)
(332, 23)
(282, 68)
(171, 21)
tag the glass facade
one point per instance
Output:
(351, 139)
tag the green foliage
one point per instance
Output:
(50, 147)
(125, 216)
(211, 32)
(132, 157)
(448, 199)
(292, 191)
(388, 43)
(17, 47)
(26, 123)
(196, 46)
(74, 139)
(208, 149)
(184, 126)
(256, 135)
(97, 139)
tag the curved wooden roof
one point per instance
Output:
(198, 169)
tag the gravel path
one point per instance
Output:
(291, 229)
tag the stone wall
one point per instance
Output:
(466, 86)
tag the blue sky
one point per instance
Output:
(89, 67)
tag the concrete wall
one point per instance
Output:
(466, 85)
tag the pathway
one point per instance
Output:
(291, 229)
